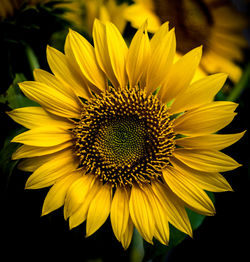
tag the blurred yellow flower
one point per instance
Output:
(125, 132)
(217, 25)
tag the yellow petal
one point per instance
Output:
(141, 212)
(56, 195)
(161, 61)
(199, 93)
(50, 80)
(101, 51)
(77, 193)
(84, 54)
(31, 164)
(138, 55)
(43, 136)
(206, 119)
(160, 216)
(32, 117)
(51, 99)
(191, 194)
(65, 72)
(173, 206)
(118, 50)
(213, 141)
(180, 75)
(213, 182)
(159, 35)
(99, 209)
(119, 213)
(80, 214)
(127, 236)
(34, 151)
(48, 173)
(206, 160)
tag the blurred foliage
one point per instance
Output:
(30, 27)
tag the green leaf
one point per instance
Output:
(14, 97)
(240, 86)
(7, 165)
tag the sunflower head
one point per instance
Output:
(125, 132)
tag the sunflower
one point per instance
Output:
(216, 25)
(125, 132)
(104, 10)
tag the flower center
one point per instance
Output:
(192, 20)
(122, 140)
(124, 137)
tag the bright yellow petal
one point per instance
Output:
(119, 213)
(64, 70)
(99, 209)
(138, 55)
(80, 214)
(205, 120)
(101, 51)
(51, 99)
(56, 195)
(118, 50)
(43, 136)
(206, 160)
(141, 212)
(127, 236)
(173, 206)
(48, 173)
(160, 216)
(191, 194)
(200, 92)
(159, 35)
(77, 194)
(213, 182)
(181, 75)
(50, 80)
(32, 117)
(84, 54)
(213, 141)
(34, 151)
(161, 60)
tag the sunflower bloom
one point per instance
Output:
(216, 25)
(123, 132)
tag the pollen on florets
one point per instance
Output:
(124, 137)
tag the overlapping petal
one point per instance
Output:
(206, 119)
(43, 137)
(84, 55)
(51, 99)
(141, 212)
(199, 93)
(206, 159)
(119, 213)
(138, 55)
(189, 192)
(32, 117)
(162, 56)
(99, 209)
(213, 141)
(183, 69)
(64, 70)
(48, 173)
